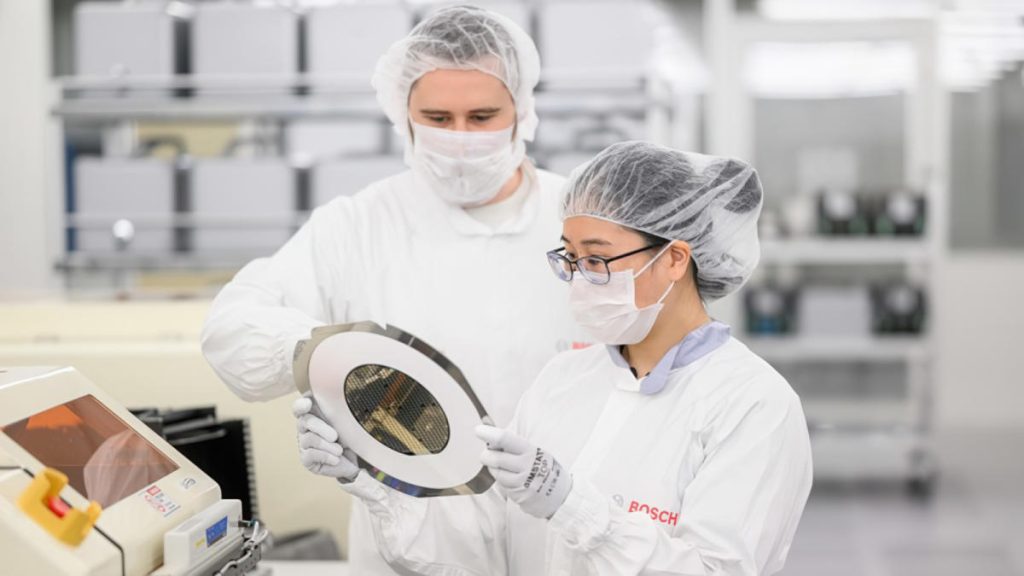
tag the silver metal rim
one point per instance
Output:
(304, 351)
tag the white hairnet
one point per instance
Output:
(710, 202)
(460, 38)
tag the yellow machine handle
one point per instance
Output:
(41, 501)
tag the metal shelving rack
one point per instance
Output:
(874, 445)
(133, 99)
(113, 107)
(874, 439)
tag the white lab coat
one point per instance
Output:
(395, 253)
(708, 476)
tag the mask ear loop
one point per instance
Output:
(648, 265)
(665, 295)
(653, 260)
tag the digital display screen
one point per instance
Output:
(103, 458)
(216, 532)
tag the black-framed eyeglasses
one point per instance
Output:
(593, 268)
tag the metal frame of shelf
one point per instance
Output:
(876, 348)
(302, 96)
(114, 105)
(826, 251)
(900, 451)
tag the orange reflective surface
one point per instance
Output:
(103, 458)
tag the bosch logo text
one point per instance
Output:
(656, 514)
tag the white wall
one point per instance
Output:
(26, 242)
(980, 365)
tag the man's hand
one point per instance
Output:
(320, 449)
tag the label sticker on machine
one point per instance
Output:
(160, 501)
(216, 532)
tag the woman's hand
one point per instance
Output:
(528, 475)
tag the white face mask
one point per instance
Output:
(466, 168)
(608, 312)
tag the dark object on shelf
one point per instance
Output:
(900, 213)
(898, 309)
(150, 417)
(306, 546)
(770, 310)
(220, 448)
(842, 214)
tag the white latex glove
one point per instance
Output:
(527, 475)
(319, 448)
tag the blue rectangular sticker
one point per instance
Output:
(216, 532)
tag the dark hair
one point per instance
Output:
(651, 239)
(655, 240)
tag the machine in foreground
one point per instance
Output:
(87, 489)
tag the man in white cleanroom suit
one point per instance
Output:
(447, 250)
(672, 449)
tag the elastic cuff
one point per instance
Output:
(289, 349)
(583, 519)
(367, 489)
(289, 345)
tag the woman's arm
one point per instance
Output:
(739, 513)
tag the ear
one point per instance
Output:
(678, 257)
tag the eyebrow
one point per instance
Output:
(434, 112)
(589, 242)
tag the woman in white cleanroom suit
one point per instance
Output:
(446, 250)
(672, 448)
